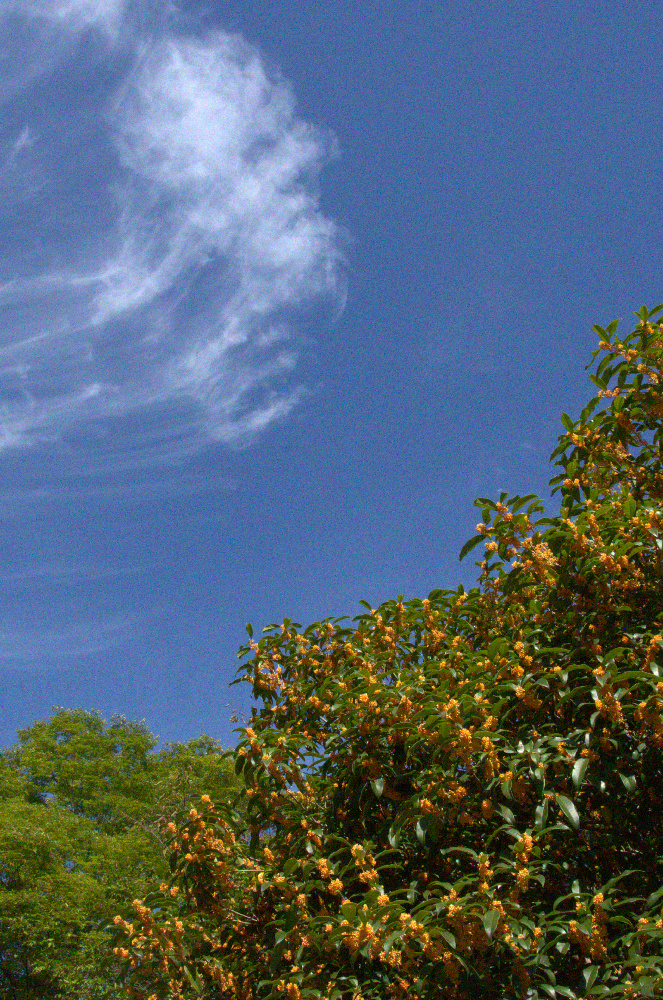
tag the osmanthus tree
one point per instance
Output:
(461, 796)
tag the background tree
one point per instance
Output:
(84, 809)
(463, 793)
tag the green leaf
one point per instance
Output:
(386, 948)
(421, 827)
(579, 769)
(523, 500)
(569, 810)
(630, 507)
(491, 919)
(469, 545)
(495, 647)
(589, 975)
(566, 420)
(654, 898)
(629, 782)
(378, 787)
(506, 813)
(194, 982)
(541, 815)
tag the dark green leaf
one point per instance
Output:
(421, 827)
(194, 982)
(506, 813)
(469, 545)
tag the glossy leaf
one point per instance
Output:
(491, 919)
(579, 771)
(469, 545)
(569, 810)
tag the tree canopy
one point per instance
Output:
(84, 812)
(459, 796)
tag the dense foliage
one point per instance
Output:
(461, 796)
(84, 809)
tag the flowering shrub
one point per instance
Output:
(456, 797)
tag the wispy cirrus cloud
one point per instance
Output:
(77, 639)
(70, 571)
(162, 232)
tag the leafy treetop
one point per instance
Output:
(84, 812)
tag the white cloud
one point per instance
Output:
(169, 234)
(75, 15)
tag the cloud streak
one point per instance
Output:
(80, 639)
(163, 236)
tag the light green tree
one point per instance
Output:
(84, 812)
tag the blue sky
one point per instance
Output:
(282, 290)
